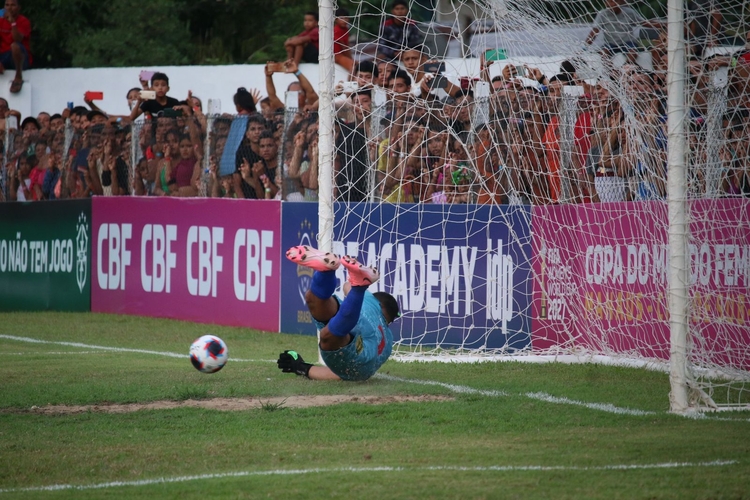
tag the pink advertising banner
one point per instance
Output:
(600, 278)
(203, 260)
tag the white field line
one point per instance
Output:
(113, 349)
(56, 353)
(451, 387)
(299, 472)
(532, 395)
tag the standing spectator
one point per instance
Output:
(36, 175)
(341, 50)
(244, 103)
(352, 163)
(307, 97)
(43, 120)
(304, 47)
(20, 183)
(365, 73)
(550, 190)
(269, 152)
(15, 48)
(115, 163)
(704, 25)
(50, 188)
(187, 171)
(384, 74)
(398, 32)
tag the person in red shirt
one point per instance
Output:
(15, 49)
(341, 51)
(304, 47)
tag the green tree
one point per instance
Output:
(135, 33)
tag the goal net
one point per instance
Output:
(504, 164)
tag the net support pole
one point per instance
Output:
(326, 69)
(677, 210)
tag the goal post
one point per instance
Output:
(677, 200)
(544, 179)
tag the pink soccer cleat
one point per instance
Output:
(359, 275)
(313, 258)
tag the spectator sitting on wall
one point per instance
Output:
(341, 50)
(398, 32)
(704, 26)
(618, 23)
(161, 101)
(15, 48)
(304, 47)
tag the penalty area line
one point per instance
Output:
(540, 396)
(300, 472)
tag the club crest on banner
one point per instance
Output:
(82, 248)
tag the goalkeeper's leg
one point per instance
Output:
(319, 298)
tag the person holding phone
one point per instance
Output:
(156, 100)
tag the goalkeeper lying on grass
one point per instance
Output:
(355, 339)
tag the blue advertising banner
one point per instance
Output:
(461, 273)
(299, 223)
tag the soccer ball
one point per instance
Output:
(209, 354)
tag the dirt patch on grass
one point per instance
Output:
(237, 404)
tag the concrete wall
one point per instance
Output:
(51, 89)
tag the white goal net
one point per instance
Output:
(505, 165)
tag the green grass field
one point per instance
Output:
(501, 430)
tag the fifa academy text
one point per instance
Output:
(442, 279)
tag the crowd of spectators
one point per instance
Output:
(404, 131)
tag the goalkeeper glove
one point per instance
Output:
(291, 362)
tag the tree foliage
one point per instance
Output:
(90, 33)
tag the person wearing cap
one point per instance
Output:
(30, 126)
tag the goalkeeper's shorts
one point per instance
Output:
(370, 347)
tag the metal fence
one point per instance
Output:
(377, 158)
